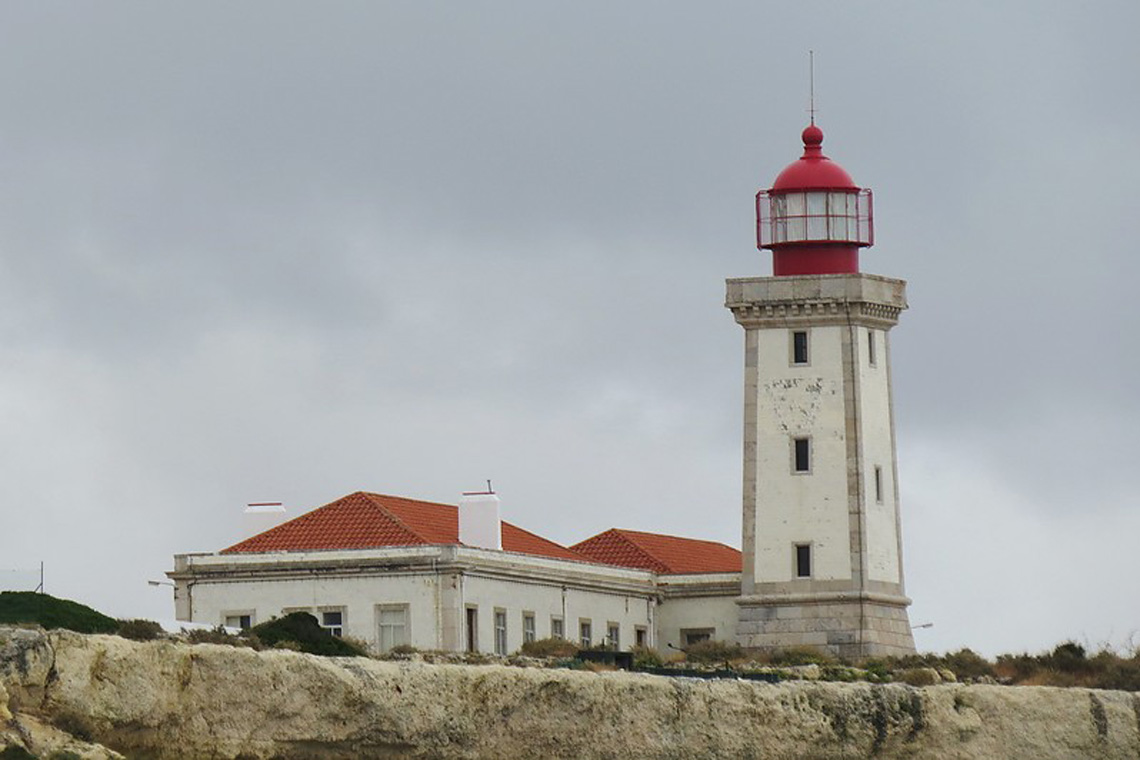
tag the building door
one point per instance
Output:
(472, 629)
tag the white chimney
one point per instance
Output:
(479, 523)
(260, 516)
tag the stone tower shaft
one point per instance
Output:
(821, 534)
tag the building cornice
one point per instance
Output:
(506, 566)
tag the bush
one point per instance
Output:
(551, 647)
(1068, 657)
(645, 657)
(139, 630)
(303, 630)
(219, 635)
(966, 663)
(805, 655)
(713, 652)
(51, 613)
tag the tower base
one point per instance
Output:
(848, 625)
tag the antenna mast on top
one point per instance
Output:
(811, 84)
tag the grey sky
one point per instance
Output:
(288, 251)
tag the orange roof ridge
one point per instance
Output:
(670, 535)
(599, 549)
(372, 497)
(661, 553)
(643, 549)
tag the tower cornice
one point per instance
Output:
(806, 300)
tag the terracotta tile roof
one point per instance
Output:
(662, 554)
(368, 520)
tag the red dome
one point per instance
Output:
(814, 171)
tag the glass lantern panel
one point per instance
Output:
(780, 231)
(839, 228)
(816, 204)
(816, 216)
(797, 230)
(795, 204)
(779, 211)
(817, 228)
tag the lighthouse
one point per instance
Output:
(822, 540)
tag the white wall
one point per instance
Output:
(675, 615)
(796, 401)
(359, 596)
(547, 599)
(877, 443)
(421, 578)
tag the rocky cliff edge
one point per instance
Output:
(93, 697)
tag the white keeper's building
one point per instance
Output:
(391, 571)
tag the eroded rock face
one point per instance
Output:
(171, 701)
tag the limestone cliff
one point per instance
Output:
(165, 700)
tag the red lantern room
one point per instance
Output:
(814, 219)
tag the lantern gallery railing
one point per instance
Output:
(815, 216)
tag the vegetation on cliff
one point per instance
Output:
(49, 612)
(301, 631)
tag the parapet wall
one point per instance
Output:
(172, 701)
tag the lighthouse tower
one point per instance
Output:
(822, 541)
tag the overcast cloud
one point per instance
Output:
(286, 251)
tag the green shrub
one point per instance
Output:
(403, 649)
(805, 655)
(966, 663)
(305, 632)
(51, 613)
(714, 652)
(645, 657)
(139, 630)
(1068, 657)
(219, 635)
(919, 676)
(551, 647)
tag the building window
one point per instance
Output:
(333, 621)
(392, 626)
(528, 627)
(803, 560)
(585, 633)
(641, 636)
(557, 630)
(472, 629)
(613, 636)
(690, 636)
(878, 484)
(871, 347)
(799, 347)
(801, 454)
(242, 620)
(500, 631)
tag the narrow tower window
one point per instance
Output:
(803, 560)
(871, 347)
(802, 454)
(799, 347)
(878, 484)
